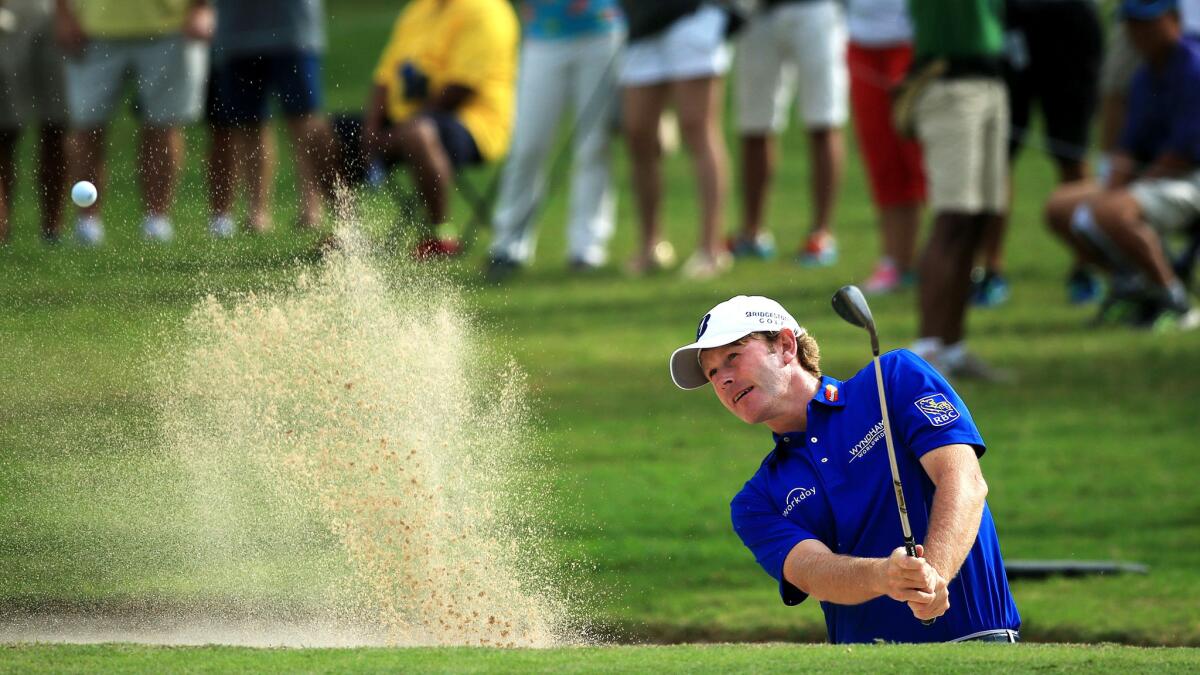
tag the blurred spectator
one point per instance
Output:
(879, 56)
(259, 48)
(1116, 72)
(1054, 49)
(676, 53)
(1153, 187)
(158, 44)
(961, 119)
(791, 40)
(228, 168)
(443, 99)
(31, 92)
(568, 56)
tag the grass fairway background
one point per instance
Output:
(1092, 454)
(675, 659)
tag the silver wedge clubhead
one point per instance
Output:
(850, 304)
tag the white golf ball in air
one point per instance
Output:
(84, 193)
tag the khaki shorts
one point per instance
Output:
(169, 73)
(31, 69)
(1169, 204)
(963, 128)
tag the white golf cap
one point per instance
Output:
(728, 322)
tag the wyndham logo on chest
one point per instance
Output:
(939, 411)
(864, 446)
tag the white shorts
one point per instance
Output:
(1169, 204)
(693, 47)
(805, 40)
(169, 73)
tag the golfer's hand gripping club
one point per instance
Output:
(850, 304)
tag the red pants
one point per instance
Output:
(893, 164)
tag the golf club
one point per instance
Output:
(850, 304)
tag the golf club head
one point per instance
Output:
(850, 304)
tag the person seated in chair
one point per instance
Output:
(443, 98)
(1154, 185)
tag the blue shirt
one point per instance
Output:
(556, 19)
(832, 482)
(1163, 113)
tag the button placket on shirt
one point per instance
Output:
(816, 450)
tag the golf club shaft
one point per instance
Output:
(910, 544)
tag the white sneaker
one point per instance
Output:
(157, 228)
(960, 364)
(703, 266)
(222, 227)
(89, 231)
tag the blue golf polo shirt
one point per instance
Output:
(1163, 113)
(832, 482)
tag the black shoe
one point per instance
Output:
(500, 270)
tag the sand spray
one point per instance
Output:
(361, 454)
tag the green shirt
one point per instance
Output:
(957, 28)
(117, 19)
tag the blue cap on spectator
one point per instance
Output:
(1146, 9)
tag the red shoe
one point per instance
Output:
(436, 249)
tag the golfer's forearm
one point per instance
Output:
(954, 522)
(840, 579)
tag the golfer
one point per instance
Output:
(820, 513)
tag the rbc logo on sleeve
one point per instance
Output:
(939, 411)
(702, 327)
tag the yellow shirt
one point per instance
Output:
(117, 19)
(472, 43)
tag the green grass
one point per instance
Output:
(678, 659)
(1091, 456)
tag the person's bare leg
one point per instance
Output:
(52, 177)
(698, 103)
(900, 224)
(222, 170)
(429, 164)
(8, 179)
(642, 106)
(1119, 215)
(945, 274)
(827, 154)
(256, 143)
(1071, 171)
(993, 237)
(1059, 211)
(159, 160)
(759, 159)
(312, 144)
(87, 162)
